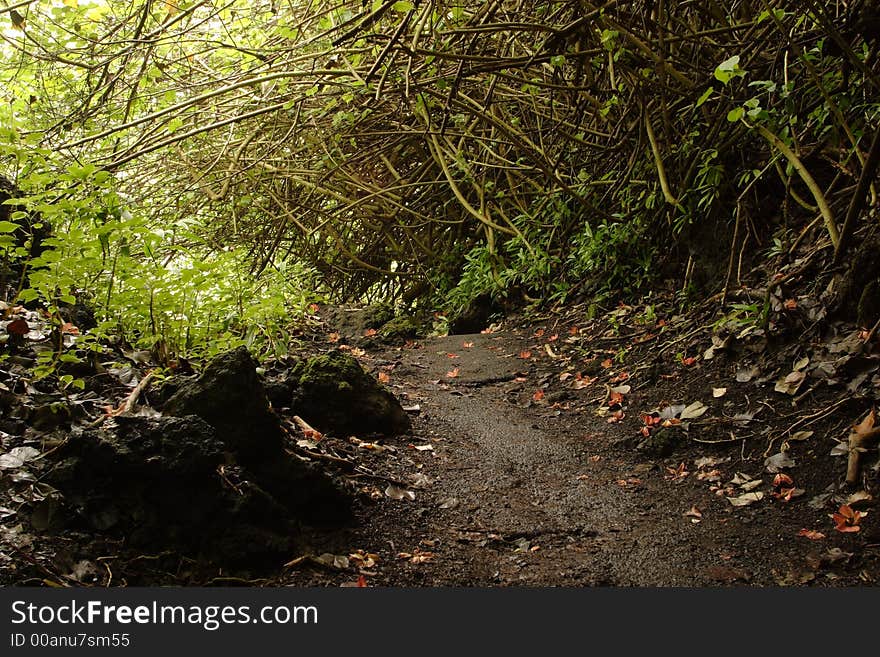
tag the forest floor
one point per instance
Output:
(629, 450)
(539, 458)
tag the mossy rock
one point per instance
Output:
(334, 394)
(403, 327)
(229, 396)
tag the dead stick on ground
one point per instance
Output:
(132, 398)
(858, 442)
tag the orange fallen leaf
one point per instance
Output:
(687, 362)
(384, 377)
(607, 363)
(553, 338)
(811, 534)
(452, 373)
(615, 399)
(525, 354)
(370, 332)
(539, 333)
(574, 330)
(451, 355)
(362, 582)
(615, 417)
(790, 304)
(467, 345)
(67, 327)
(333, 337)
(313, 307)
(538, 396)
(846, 520)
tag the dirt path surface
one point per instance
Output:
(517, 488)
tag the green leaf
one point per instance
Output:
(729, 69)
(735, 115)
(706, 94)
(8, 227)
(402, 7)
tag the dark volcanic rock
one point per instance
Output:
(474, 317)
(229, 396)
(159, 482)
(335, 395)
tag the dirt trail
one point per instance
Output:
(541, 496)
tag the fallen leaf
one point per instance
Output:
(370, 332)
(811, 534)
(719, 392)
(538, 396)
(694, 513)
(18, 327)
(778, 462)
(333, 337)
(695, 410)
(448, 503)
(17, 457)
(687, 362)
(790, 383)
(746, 499)
(384, 377)
(398, 493)
(467, 345)
(334, 561)
(452, 373)
(525, 354)
(847, 519)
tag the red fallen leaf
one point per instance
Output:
(370, 332)
(583, 382)
(790, 304)
(651, 420)
(811, 534)
(846, 520)
(362, 582)
(687, 362)
(467, 345)
(487, 330)
(553, 338)
(538, 396)
(452, 373)
(525, 354)
(784, 494)
(539, 333)
(782, 479)
(451, 355)
(607, 363)
(615, 399)
(661, 322)
(67, 327)
(623, 376)
(333, 337)
(574, 330)
(18, 327)
(646, 432)
(384, 377)
(313, 307)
